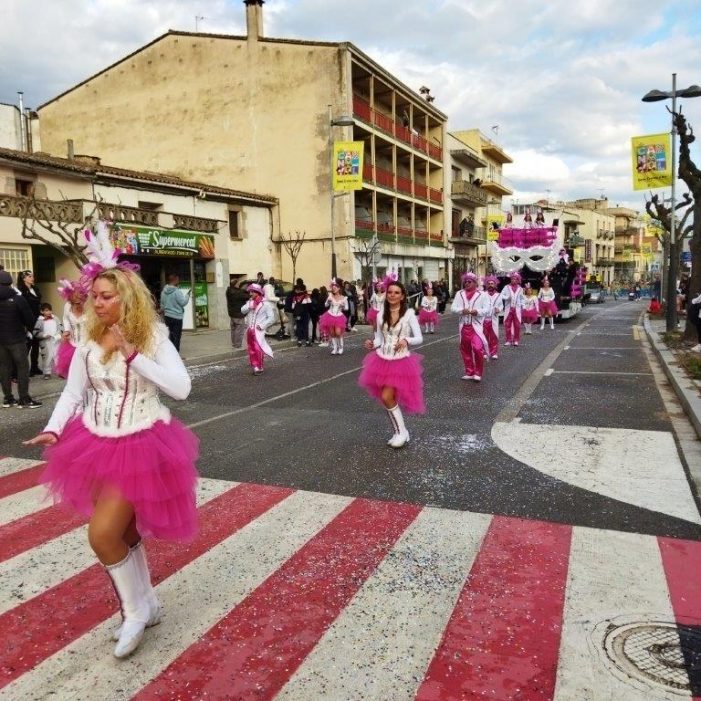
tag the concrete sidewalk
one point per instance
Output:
(688, 390)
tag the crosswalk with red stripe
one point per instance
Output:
(295, 595)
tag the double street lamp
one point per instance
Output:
(343, 121)
(672, 268)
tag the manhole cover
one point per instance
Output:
(664, 653)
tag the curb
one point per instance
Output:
(683, 386)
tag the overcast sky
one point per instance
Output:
(557, 83)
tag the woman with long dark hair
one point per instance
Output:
(25, 285)
(392, 374)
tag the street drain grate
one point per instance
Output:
(660, 652)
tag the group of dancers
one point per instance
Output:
(115, 454)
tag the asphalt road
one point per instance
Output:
(305, 424)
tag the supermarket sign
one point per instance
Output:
(155, 241)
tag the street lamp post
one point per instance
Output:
(672, 268)
(343, 121)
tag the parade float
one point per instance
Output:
(534, 250)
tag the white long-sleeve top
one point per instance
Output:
(47, 329)
(118, 398)
(479, 302)
(337, 306)
(377, 301)
(75, 325)
(546, 294)
(430, 304)
(259, 316)
(512, 298)
(496, 307)
(387, 337)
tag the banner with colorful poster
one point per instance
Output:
(652, 161)
(348, 165)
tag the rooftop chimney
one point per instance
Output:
(254, 19)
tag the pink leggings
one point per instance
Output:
(255, 352)
(512, 327)
(472, 351)
(491, 336)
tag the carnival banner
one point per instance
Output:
(652, 161)
(348, 165)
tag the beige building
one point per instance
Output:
(477, 187)
(257, 114)
(630, 230)
(202, 232)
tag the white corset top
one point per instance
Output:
(119, 400)
(336, 307)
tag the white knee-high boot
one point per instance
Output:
(542, 323)
(154, 605)
(401, 435)
(334, 346)
(340, 345)
(552, 323)
(135, 611)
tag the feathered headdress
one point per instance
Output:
(102, 255)
(389, 279)
(69, 288)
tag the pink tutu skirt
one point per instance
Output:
(405, 375)
(327, 323)
(64, 355)
(372, 317)
(529, 316)
(548, 308)
(153, 469)
(426, 317)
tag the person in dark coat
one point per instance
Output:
(25, 285)
(16, 321)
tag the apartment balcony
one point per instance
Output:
(404, 185)
(385, 123)
(182, 221)
(435, 195)
(497, 184)
(468, 157)
(421, 235)
(496, 153)
(69, 211)
(421, 191)
(470, 234)
(384, 178)
(436, 238)
(467, 193)
(364, 228)
(368, 174)
(605, 262)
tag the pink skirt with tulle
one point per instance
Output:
(372, 316)
(426, 317)
(154, 470)
(548, 308)
(529, 316)
(404, 374)
(327, 323)
(64, 355)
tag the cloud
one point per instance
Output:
(562, 79)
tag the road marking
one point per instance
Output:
(548, 372)
(636, 333)
(597, 372)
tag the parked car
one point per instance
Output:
(594, 294)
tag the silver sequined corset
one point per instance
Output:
(119, 401)
(390, 338)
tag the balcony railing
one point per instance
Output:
(404, 184)
(70, 211)
(405, 231)
(464, 190)
(421, 191)
(181, 221)
(367, 172)
(132, 215)
(471, 232)
(421, 234)
(435, 195)
(385, 178)
(384, 122)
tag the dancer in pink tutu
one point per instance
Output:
(75, 294)
(113, 451)
(332, 322)
(490, 324)
(377, 302)
(547, 306)
(259, 315)
(392, 374)
(473, 307)
(428, 315)
(512, 297)
(529, 311)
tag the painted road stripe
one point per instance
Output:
(194, 599)
(10, 465)
(82, 602)
(20, 480)
(613, 577)
(503, 639)
(57, 558)
(252, 652)
(23, 504)
(596, 372)
(388, 633)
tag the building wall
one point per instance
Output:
(248, 115)
(10, 127)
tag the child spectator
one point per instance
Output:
(47, 331)
(655, 307)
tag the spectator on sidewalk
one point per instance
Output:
(654, 307)
(173, 303)
(695, 316)
(25, 285)
(301, 311)
(16, 321)
(235, 299)
(316, 309)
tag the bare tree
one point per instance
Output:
(293, 245)
(691, 175)
(366, 252)
(58, 224)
